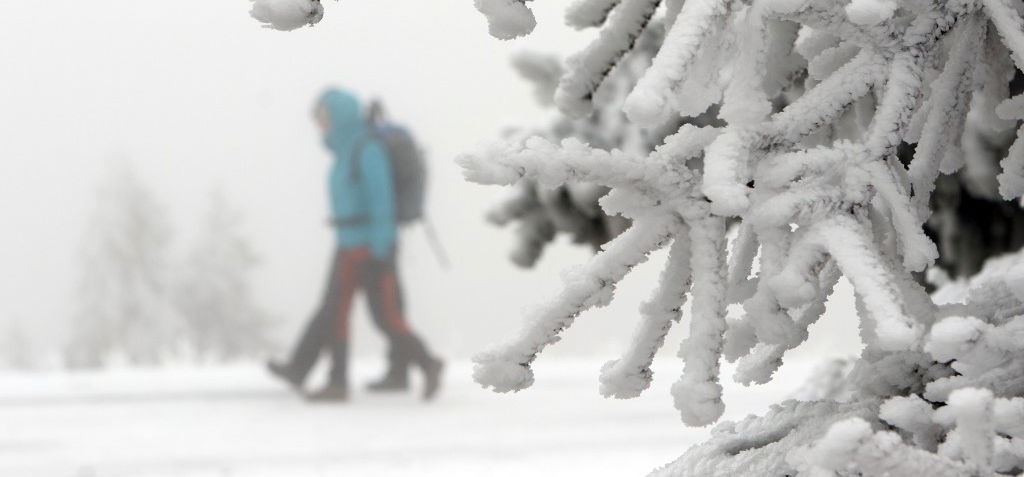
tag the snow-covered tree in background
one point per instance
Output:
(17, 350)
(213, 295)
(123, 310)
(819, 193)
(139, 305)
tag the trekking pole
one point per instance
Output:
(435, 244)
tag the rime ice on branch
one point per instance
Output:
(816, 96)
(539, 214)
(287, 14)
(507, 18)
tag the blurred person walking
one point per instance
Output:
(365, 217)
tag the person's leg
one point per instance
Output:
(384, 312)
(336, 331)
(317, 332)
(384, 293)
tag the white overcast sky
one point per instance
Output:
(195, 96)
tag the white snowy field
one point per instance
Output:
(235, 421)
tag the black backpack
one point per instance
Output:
(408, 169)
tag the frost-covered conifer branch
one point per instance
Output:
(698, 395)
(589, 13)
(697, 21)
(851, 447)
(762, 362)
(552, 164)
(507, 367)
(287, 14)
(587, 70)
(540, 214)
(761, 446)
(813, 180)
(507, 19)
(833, 124)
(946, 110)
(953, 409)
(630, 375)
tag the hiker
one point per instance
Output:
(369, 196)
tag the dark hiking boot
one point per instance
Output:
(389, 384)
(329, 393)
(397, 377)
(283, 372)
(432, 378)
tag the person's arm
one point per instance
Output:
(376, 174)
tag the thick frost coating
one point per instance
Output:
(698, 396)
(1011, 181)
(759, 446)
(589, 13)
(852, 448)
(648, 103)
(538, 215)
(287, 15)
(507, 19)
(587, 69)
(507, 368)
(915, 416)
(956, 419)
(871, 12)
(631, 375)
(946, 110)
(658, 193)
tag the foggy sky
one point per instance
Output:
(196, 96)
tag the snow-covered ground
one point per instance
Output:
(234, 421)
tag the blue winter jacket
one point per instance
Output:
(362, 202)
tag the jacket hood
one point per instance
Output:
(345, 117)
